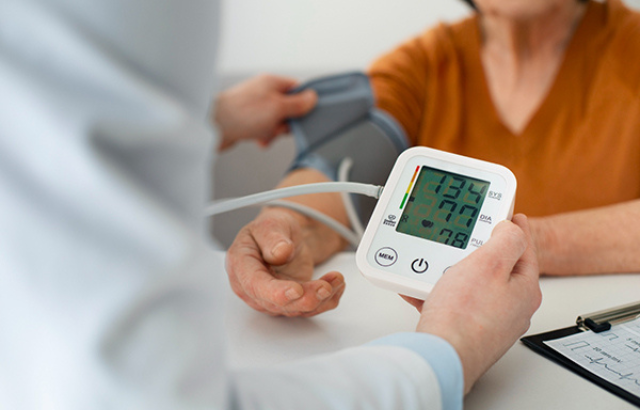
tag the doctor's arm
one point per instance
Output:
(592, 241)
(257, 109)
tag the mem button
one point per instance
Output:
(386, 257)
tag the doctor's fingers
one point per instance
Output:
(268, 139)
(527, 265)
(525, 274)
(497, 258)
(297, 105)
(522, 278)
(416, 303)
(525, 277)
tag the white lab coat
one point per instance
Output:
(109, 296)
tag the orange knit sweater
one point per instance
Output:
(581, 148)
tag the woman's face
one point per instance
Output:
(520, 9)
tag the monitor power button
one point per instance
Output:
(419, 265)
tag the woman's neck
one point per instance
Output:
(542, 33)
(522, 56)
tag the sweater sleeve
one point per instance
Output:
(400, 85)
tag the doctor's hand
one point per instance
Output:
(258, 108)
(270, 265)
(483, 304)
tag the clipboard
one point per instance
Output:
(597, 322)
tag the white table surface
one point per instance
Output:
(521, 380)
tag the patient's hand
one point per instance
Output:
(258, 108)
(270, 265)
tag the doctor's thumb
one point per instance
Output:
(297, 105)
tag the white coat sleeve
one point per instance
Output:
(401, 371)
(109, 297)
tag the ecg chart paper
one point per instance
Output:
(613, 355)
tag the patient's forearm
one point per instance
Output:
(322, 240)
(595, 241)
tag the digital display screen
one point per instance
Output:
(443, 207)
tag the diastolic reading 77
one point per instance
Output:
(436, 208)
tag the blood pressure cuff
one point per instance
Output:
(345, 124)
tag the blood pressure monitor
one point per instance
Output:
(436, 208)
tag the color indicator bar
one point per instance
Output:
(409, 187)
